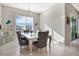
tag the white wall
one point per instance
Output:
(0, 24)
(54, 17)
(0, 12)
(78, 26)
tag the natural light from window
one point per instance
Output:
(24, 23)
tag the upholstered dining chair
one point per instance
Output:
(26, 31)
(42, 40)
(22, 41)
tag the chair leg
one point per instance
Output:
(39, 51)
(46, 51)
(20, 48)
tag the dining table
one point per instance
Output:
(33, 37)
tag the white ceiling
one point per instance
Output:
(76, 5)
(34, 7)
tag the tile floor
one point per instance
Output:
(13, 49)
(55, 50)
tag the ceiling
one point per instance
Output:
(34, 7)
(76, 5)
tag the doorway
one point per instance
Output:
(74, 31)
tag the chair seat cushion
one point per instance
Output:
(35, 42)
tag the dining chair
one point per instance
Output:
(25, 31)
(42, 40)
(22, 41)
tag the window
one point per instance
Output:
(24, 23)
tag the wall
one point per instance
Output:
(0, 13)
(78, 25)
(69, 10)
(10, 13)
(0, 24)
(54, 17)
